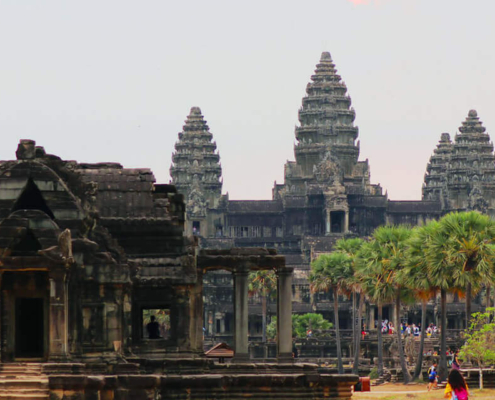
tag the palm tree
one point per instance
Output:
(372, 278)
(470, 249)
(381, 260)
(415, 275)
(351, 247)
(332, 271)
(460, 254)
(263, 284)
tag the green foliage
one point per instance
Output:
(374, 373)
(480, 340)
(461, 251)
(162, 316)
(331, 271)
(300, 325)
(380, 261)
(262, 283)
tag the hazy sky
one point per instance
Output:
(113, 80)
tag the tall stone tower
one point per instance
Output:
(326, 170)
(471, 172)
(436, 169)
(327, 121)
(462, 174)
(196, 171)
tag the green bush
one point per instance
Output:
(300, 325)
(374, 373)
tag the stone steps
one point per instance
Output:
(23, 381)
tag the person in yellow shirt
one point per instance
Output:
(457, 388)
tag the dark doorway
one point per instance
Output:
(337, 220)
(29, 329)
(196, 228)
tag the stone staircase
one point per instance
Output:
(23, 381)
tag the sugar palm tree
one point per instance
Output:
(460, 254)
(332, 271)
(263, 284)
(351, 247)
(381, 261)
(470, 249)
(415, 275)
(372, 279)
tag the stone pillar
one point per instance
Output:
(328, 222)
(241, 342)
(346, 222)
(222, 324)
(284, 315)
(58, 310)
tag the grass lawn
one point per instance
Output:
(415, 391)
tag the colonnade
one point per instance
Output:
(241, 261)
(284, 314)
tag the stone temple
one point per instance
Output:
(326, 195)
(89, 253)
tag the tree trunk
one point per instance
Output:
(353, 314)
(380, 339)
(340, 367)
(357, 350)
(263, 318)
(443, 338)
(488, 293)
(481, 378)
(419, 362)
(405, 372)
(468, 305)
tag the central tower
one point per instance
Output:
(327, 121)
(326, 172)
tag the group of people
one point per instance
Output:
(456, 388)
(388, 327)
(415, 330)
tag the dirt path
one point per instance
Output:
(414, 391)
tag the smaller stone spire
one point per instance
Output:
(195, 163)
(472, 124)
(436, 169)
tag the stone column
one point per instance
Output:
(241, 342)
(346, 222)
(58, 345)
(328, 222)
(222, 324)
(284, 315)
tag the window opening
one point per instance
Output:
(156, 323)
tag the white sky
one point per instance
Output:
(114, 80)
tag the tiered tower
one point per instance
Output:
(436, 169)
(326, 170)
(196, 169)
(327, 121)
(461, 175)
(471, 170)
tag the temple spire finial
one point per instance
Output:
(195, 111)
(325, 56)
